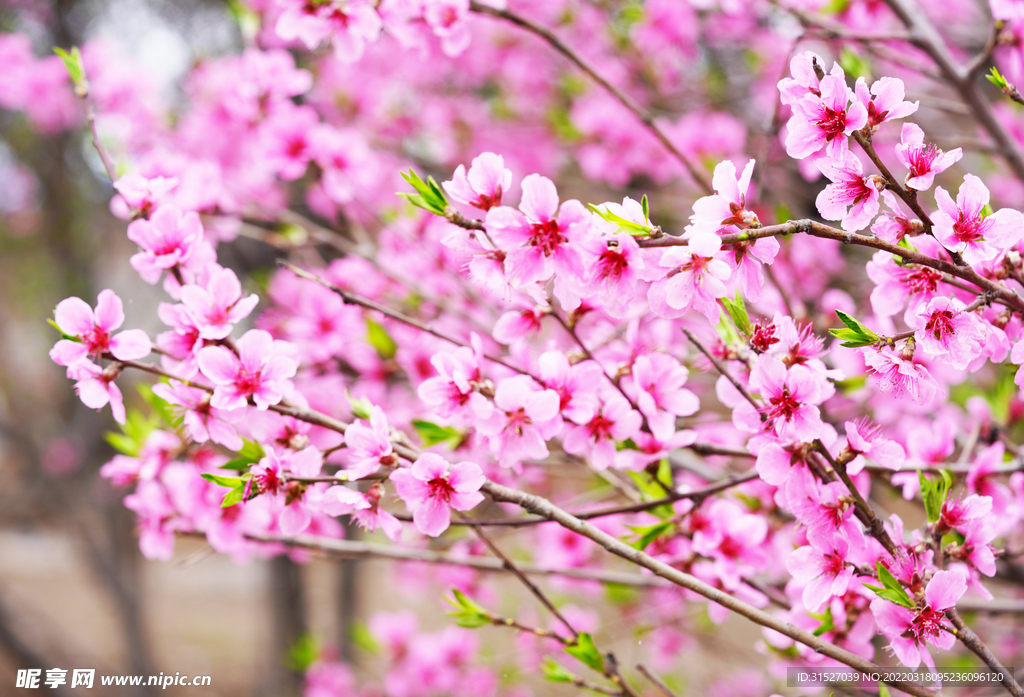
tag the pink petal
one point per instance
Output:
(219, 364)
(540, 198)
(130, 345)
(109, 311)
(74, 316)
(432, 518)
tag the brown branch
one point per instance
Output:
(971, 640)
(645, 116)
(1000, 292)
(924, 36)
(865, 513)
(542, 507)
(509, 565)
(721, 368)
(697, 495)
(352, 299)
(655, 680)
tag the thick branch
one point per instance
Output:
(971, 640)
(813, 228)
(543, 507)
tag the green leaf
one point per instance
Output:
(737, 310)
(648, 534)
(160, 406)
(222, 480)
(623, 224)
(891, 589)
(232, 497)
(585, 651)
(467, 613)
(555, 673)
(432, 434)
(854, 64)
(429, 195)
(361, 407)
(883, 689)
(303, 653)
(250, 454)
(934, 493)
(997, 79)
(379, 339)
(62, 334)
(76, 69)
(134, 433)
(727, 332)
(827, 622)
(362, 638)
(856, 333)
(647, 208)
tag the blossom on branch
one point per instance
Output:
(432, 487)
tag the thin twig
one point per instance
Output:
(353, 299)
(530, 585)
(645, 116)
(721, 368)
(865, 513)
(655, 680)
(971, 640)
(924, 36)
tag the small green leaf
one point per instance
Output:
(737, 310)
(891, 589)
(429, 195)
(232, 497)
(134, 433)
(361, 407)
(467, 613)
(303, 653)
(432, 434)
(827, 622)
(997, 79)
(623, 224)
(553, 672)
(585, 651)
(648, 534)
(856, 333)
(854, 64)
(231, 482)
(379, 339)
(250, 454)
(934, 493)
(647, 209)
(76, 69)
(883, 689)
(62, 334)
(362, 639)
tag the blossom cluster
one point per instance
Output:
(492, 330)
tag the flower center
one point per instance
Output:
(922, 158)
(440, 489)
(940, 324)
(547, 235)
(783, 405)
(611, 265)
(600, 427)
(968, 229)
(928, 623)
(832, 122)
(248, 383)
